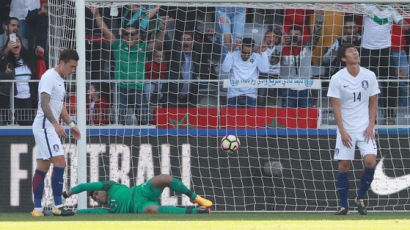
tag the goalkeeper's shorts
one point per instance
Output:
(145, 195)
(48, 143)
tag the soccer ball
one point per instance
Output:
(230, 143)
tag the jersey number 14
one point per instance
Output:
(358, 98)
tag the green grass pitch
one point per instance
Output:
(236, 221)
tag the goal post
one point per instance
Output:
(285, 162)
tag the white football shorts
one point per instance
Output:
(344, 153)
(48, 143)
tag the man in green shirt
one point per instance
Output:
(129, 57)
(138, 199)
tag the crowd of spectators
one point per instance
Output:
(141, 45)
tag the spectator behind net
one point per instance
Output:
(21, 64)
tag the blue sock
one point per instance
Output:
(365, 181)
(57, 182)
(38, 187)
(343, 189)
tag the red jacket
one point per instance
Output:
(155, 70)
(398, 41)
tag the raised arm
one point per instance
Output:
(108, 35)
(153, 11)
(330, 54)
(158, 41)
(263, 62)
(317, 30)
(228, 62)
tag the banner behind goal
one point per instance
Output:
(165, 109)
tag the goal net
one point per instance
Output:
(159, 100)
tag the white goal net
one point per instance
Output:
(159, 100)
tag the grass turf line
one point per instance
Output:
(236, 221)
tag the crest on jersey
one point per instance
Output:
(56, 148)
(251, 60)
(365, 84)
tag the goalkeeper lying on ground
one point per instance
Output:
(138, 199)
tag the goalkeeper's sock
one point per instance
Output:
(178, 186)
(343, 189)
(365, 181)
(57, 182)
(38, 188)
(176, 210)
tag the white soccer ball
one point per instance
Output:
(230, 143)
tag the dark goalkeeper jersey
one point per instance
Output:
(120, 197)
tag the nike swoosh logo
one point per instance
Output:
(384, 185)
(345, 86)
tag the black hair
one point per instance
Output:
(28, 57)
(341, 52)
(11, 18)
(188, 33)
(67, 55)
(249, 42)
(296, 27)
(90, 194)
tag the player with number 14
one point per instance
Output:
(353, 93)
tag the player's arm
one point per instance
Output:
(372, 110)
(45, 106)
(93, 211)
(228, 62)
(161, 35)
(95, 186)
(263, 62)
(73, 128)
(108, 35)
(317, 30)
(369, 132)
(330, 54)
(347, 141)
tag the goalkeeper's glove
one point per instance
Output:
(65, 195)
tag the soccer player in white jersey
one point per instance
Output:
(47, 132)
(353, 93)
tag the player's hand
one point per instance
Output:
(76, 133)
(67, 194)
(94, 10)
(11, 44)
(39, 51)
(369, 134)
(59, 130)
(346, 139)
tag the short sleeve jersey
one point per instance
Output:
(129, 63)
(354, 94)
(53, 84)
